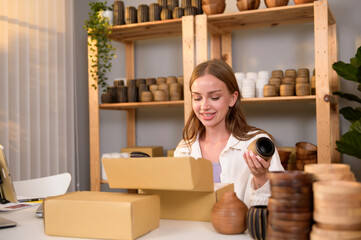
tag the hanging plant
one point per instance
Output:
(101, 53)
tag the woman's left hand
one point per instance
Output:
(258, 167)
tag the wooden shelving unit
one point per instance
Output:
(194, 32)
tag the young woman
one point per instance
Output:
(217, 131)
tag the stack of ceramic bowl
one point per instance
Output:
(330, 172)
(290, 205)
(337, 210)
(306, 153)
(210, 7)
(240, 76)
(262, 80)
(248, 88)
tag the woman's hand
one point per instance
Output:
(258, 167)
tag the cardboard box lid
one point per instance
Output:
(161, 173)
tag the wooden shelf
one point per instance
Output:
(135, 105)
(311, 98)
(268, 17)
(220, 23)
(147, 30)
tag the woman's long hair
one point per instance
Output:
(235, 121)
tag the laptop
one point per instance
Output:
(7, 191)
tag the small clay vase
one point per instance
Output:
(228, 215)
(263, 147)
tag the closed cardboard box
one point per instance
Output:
(153, 151)
(189, 205)
(103, 215)
(160, 173)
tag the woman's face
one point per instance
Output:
(211, 100)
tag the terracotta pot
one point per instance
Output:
(257, 222)
(275, 3)
(244, 5)
(228, 215)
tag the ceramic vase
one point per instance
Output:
(228, 215)
(257, 222)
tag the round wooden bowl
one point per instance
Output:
(289, 80)
(269, 90)
(302, 79)
(213, 8)
(291, 73)
(291, 175)
(336, 217)
(337, 187)
(306, 148)
(284, 155)
(335, 234)
(303, 1)
(328, 168)
(295, 216)
(337, 227)
(146, 96)
(244, 5)
(303, 89)
(291, 190)
(278, 235)
(292, 196)
(277, 73)
(275, 3)
(335, 176)
(287, 89)
(305, 156)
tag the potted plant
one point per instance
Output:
(99, 28)
(350, 142)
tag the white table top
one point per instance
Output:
(31, 227)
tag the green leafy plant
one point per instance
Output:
(99, 30)
(350, 142)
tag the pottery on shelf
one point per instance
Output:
(210, 7)
(276, 3)
(228, 215)
(303, 1)
(244, 5)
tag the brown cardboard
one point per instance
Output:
(160, 173)
(153, 151)
(103, 215)
(186, 205)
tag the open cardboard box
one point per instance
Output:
(103, 215)
(185, 185)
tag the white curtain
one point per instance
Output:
(37, 125)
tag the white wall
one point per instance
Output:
(280, 47)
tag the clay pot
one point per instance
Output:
(244, 5)
(275, 3)
(228, 215)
